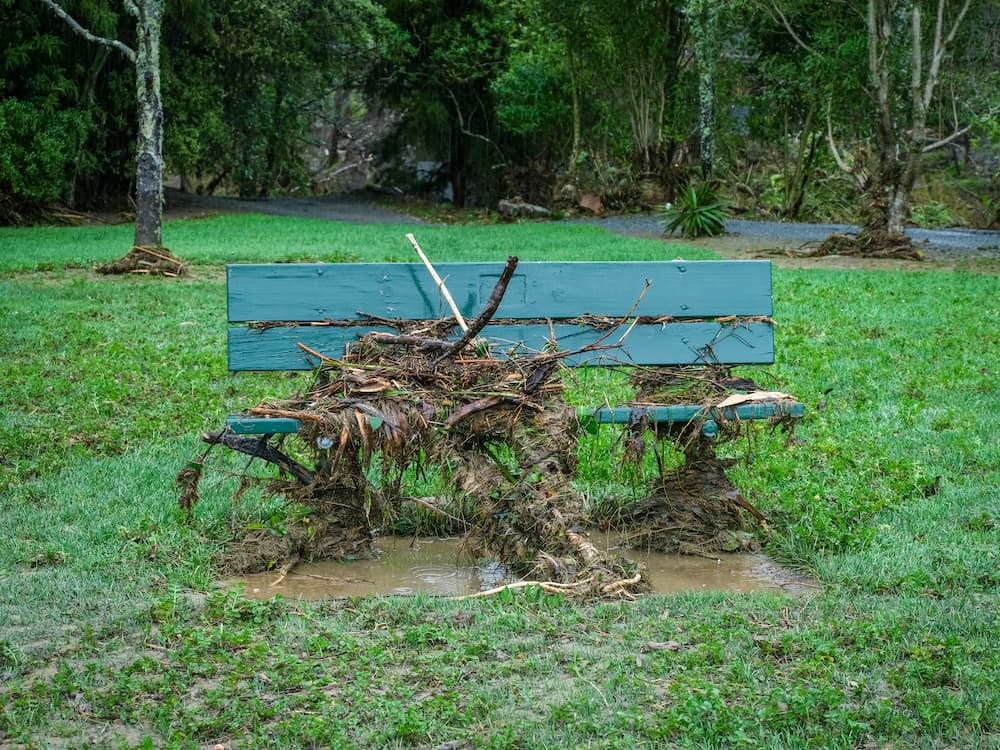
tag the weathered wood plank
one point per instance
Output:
(318, 291)
(669, 344)
(243, 425)
(684, 413)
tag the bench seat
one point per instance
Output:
(675, 313)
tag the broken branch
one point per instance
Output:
(260, 448)
(496, 296)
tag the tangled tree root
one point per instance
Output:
(155, 261)
(695, 510)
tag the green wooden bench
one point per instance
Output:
(691, 313)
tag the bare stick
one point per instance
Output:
(437, 280)
(314, 353)
(496, 296)
(405, 340)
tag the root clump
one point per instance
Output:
(153, 261)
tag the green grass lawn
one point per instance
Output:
(112, 633)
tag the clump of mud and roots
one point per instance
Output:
(503, 435)
(152, 261)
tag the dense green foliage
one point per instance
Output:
(113, 634)
(65, 129)
(539, 98)
(245, 81)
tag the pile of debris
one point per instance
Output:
(502, 435)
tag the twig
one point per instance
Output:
(405, 340)
(496, 296)
(300, 414)
(473, 408)
(314, 353)
(150, 251)
(598, 343)
(437, 279)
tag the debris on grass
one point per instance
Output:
(154, 261)
(504, 438)
(874, 244)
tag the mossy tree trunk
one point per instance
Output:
(149, 151)
(704, 18)
(148, 15)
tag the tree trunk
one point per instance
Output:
(574, 156)
(456, 169)
(899, 156)
(704, 17)
(149, 152)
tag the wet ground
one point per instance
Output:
(438, 567)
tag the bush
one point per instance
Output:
(698, 212)
(37, 146)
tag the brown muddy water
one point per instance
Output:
(438, 567)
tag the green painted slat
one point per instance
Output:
(262, 425)
(318, 291)
(687, 412)
(671, 344)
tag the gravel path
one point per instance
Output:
(350, 209)
(948, 242)
(977, 242)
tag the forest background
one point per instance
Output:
(878, 112)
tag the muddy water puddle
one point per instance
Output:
(439, 567)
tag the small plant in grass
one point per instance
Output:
(698, 212)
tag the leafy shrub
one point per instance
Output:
(933, 215)
(698, 212)
(36, 149)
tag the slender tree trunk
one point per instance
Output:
(574, 77)
(149, 152)
(706, 49)
(797, 176)
(899, 156)
(148, 15)
(456, 168)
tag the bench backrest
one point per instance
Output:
(679, 310)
